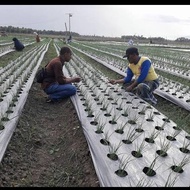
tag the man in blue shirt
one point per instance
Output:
(141, 77)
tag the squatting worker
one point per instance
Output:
(146, 79)
(56, 85)
(18, 45)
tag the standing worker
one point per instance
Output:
(37, 37)
(146, 79)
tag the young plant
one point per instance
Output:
(179, 168)
(100, 127)
(113, 148)
(152, 136)
(185, 146)
(160, 128)
(164, 147)
(120, 106)
(139, 149)
(172, 137)
(89, 105)
(150, 116)
(149, 171)
(121, 127)
(143, 110)
(133, 119)
(108, 113)
(105, 140)
(126, 111)
(143, 183)
(105, 105)
(139, 128)
(131, 136)
(122, 166)
(96, 118)
(171, 181)
(115, 117)
(115, 101)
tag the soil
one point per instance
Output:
(48, 147)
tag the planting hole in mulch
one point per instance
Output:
(170, 138)
(107, 114)
(156, 113)
(161, 153)
(90, 115)
(149, 140)
(177, 169)
(159, 128)
(141, 113)
(93, 122)
(99, 131)
(112, 156)
(149, 172)
(1, 127)
(187, 137)
(166, 120)
(184, 150)
(132, 122)
(127, 141)
(112, 122)
(104, 142)
(149, 119)
(136, 154)
(120, 131)
(139, 130)
(121, 173)
(177, 128)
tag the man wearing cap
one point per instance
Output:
(146, 79)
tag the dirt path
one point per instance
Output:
(48, 147)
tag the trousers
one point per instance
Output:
(60, 91)
(145, 90)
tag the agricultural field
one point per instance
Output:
(93, 138)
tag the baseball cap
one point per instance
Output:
(130, 51)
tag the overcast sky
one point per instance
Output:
(167, 21)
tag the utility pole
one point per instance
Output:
(70, 15)
(66, 33)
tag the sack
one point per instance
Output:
(40, 75)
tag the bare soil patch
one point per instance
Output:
(48, 147)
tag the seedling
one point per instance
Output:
(139, 149)
(149, 171)
(113, 148)
(184, 148)
(121, 127)
(131, 136)
(122, 166)
(144, 183)
(170, 182)
(100, 127)
(152, 136)
(164, 147)
(179, 168)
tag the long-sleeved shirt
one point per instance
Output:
(143, 71)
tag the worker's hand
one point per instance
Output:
(76, 79)
(129, 89)
(112, 81)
